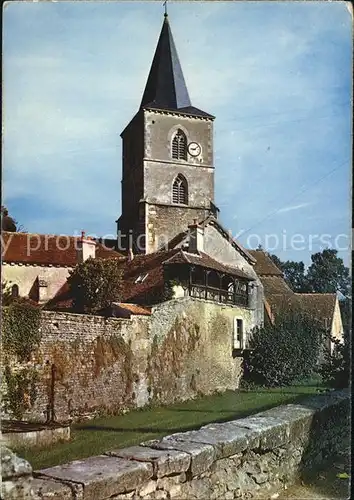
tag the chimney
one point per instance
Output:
(196, 238)
(130, 255)
(86, 247)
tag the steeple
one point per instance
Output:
(165, 87)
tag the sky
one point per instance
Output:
(276, 75)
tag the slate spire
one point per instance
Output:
(165, 87)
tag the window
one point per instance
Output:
(141, 278)
(238, 333)
(14, 291)
(179, 146)
(180, 190)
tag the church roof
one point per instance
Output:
(165, 87)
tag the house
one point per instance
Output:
(278, 297)
(37, 265)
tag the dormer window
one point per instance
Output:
(180, 190)
(179, 146)
(141, 278)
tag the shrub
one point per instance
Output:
(95, 284)
(21, 335)
(283, 352)
(21, 328)
(335, 371)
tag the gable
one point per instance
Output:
(224, 249)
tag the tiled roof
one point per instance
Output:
(264, 264)
(135, 309)
(204, 260)
(149, 266)
(46, 249)
(275, 285)
(319, 305)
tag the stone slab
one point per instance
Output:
(48, 489)
(202, 455)
(13, 466)
(273, 431)
(226, 440)
(165, 462)
(101, 476)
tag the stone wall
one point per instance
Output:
(251, 457)
(16, 476)
(109, 365)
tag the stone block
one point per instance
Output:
(147, 489)
(273, 431)
(164, 462)
(48, 489)
(226, 439)
(13, 466)
(201, 455)
(101, 476)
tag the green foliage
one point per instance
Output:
(168, 293)
(283, 352)
(6, 295)
(294, 274)
(21, 336)
(95, 284)
(326, 274)
(21, 328)
(335, 371)
(21, 390)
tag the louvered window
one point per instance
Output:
(180, 190)
(179, 146)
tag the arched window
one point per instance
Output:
(179, 146)
(14, 291)
(180, 190)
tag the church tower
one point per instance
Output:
(168, 172)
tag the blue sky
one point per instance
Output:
(277, 76)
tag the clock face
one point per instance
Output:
(194, 149)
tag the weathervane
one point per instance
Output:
(165, 5)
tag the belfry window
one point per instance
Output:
(180, 190)
(179, 146)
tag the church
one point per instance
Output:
(169, 229)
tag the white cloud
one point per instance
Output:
(294, 207)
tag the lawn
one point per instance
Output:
(103, 434)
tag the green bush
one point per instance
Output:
(283, 352)
(335, 371)
(95, 284)
(21, 328)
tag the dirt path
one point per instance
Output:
(324, 483)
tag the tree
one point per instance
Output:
(7, 222)
(294, 274)
(285, 351)
(335, 371)
(95, 284)
(328, 274)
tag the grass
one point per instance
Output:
(103, 434)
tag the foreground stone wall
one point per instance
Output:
(111, 365)
(16, 476)
(250, 457)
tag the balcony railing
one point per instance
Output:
(217, 295)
